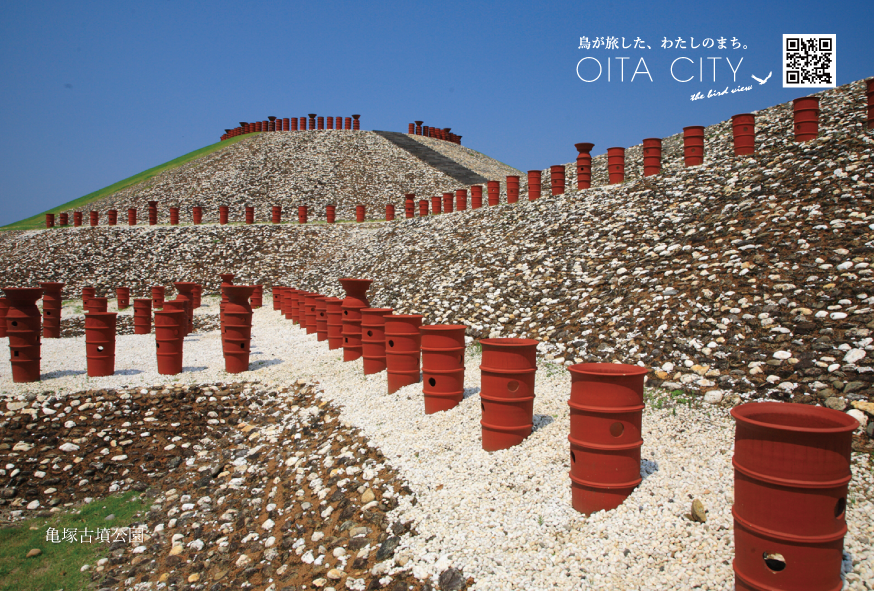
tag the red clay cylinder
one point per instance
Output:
(512, 189)
(197, 214)
(652, 156)
(403, 344)
(196, 295)
(52, 302)
(285, 123)
(411, 128)
(227, 279)
(447, 202)
(87, 294)
(293, 124)
(257, 297)
(419, 127)
(584, 165)
(23, 332)
(310, 312)
(331, 213)
(494, 193)
(534, 187)
(409, 205)
(870, 93)
(169, 339)
(330, 123)
(321, 121)
(289, 305)
(250, 214)
(299, 307)
(112, 217)
(791, 475)
(435, 205)
(96, 304)
(142, 316)
(373, 339)
(302, 214)
(355, 300)
(64, 219)
(237, 330)
(122, 298)
(321, 317)
(174, 216)
(347, 123)
(4, 308)
(423, 208)
(556, 176)
(616, 165)
(77, 219)
(461, 199)
(356, 124)
(335, 323)
(476, 197)
(743, 127)
(605, 436)
(276, 214)
(223, 214)
(153, 213)
(157, 297)
(185, 291)
(303, 124)
(359, 213)
(181, 306)
(507, 396)
(100, 343)
(693, 145)
(277, 297)
(389, 212)
(442, 366)
(806, 111)
(50, 220)
(94, 218)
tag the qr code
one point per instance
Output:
(809, 61)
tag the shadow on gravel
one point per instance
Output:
(541, 421)
(62, 373)
(468, 392)
(194, 369)
(127, 372)
(256, 365)
(648, 467)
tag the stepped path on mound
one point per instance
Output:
(433, 158)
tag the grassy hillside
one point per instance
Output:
(38, 221)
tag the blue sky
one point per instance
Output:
(93, 92)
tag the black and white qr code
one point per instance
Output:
(809, 61)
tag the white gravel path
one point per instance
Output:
(505, 518)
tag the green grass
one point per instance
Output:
(38, 221)
(58, 565)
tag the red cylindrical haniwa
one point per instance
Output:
(169, 338)
(64, 219)
(310, 313)
(512, 189)
(197, 214)
(196, 295)
(23, 331)
(556, 176)
(791, 476)
(227, 279)
(435, 205)
(276, 214)
(237, 330)
(426, 131)
(419, 127)
(312, 117)
(507, 396)
(403, 345)
(271, 126)
(335, 323)
(153, 213)
(293, 124)
(257, 296)
(605, 436)
(259, 126)
(447, 202)
(321, 121)
(331, 213)
(373, 339)
(122, 297)
(355, 300)
(347, 123)
(94, 218)
(806, 111)
(250, 214)
(302, 214)
(4, 309)
(96, 304)
(87, 293)
(300, 309)
(389, 212)
(616, 165)
(100, 343)
(494, 192)
(534, 179)
(112, 217)
(290, 308)
(321, 317)
(303, 124)
(461, 199)
(52, 302)
(174, 216)
(158, 297)
(870, 93)
(423, 208)
(285, 122)
(223, 214)
(584, 165)
(442, 366)
(277, 297)
(409, 205)
(330, 123)
(693, 145)
(652, 156)
(185, 291)
(743, 127)
(182, 306)
(411, 128)
(77, 219)
(476, 196)
(356, 124)
(142, 316)
(50, 220)
(359, 213)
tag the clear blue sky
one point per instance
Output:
(93, 92)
